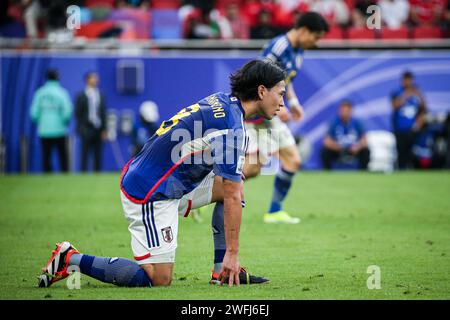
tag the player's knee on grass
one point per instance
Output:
(162, 280)
(159, 273)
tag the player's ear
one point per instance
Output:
(261, 91)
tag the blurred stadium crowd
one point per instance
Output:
(222, 19)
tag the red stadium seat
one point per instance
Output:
(100, 3)
(402, 33)
(360, 33)
(94, 29)
(334, 33)
(165, 4)
(427, 32)
(350, 4)
(221, 4)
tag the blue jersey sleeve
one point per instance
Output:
(228, 152)
(360, 128)
(332, 129)
(396, 93)
(275, 49)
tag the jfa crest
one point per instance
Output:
(167, 234)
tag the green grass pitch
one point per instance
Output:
(399, 222)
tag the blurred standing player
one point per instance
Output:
(287, 51)
(90, 111)
(408, 104)
(51, 110)
(172, 175)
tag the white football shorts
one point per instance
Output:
(154, 225)
(268, 139)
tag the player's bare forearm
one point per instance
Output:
(232, 214)
(232, 221)
(290, 93)
(295, 107)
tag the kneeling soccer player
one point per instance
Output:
(170, 176)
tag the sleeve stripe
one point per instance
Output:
(280, 45)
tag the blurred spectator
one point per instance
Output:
(359, 12)
(11, 19)
(446, 20)
(4, 15)
(335, 12)
(33, 10)
(53, 12)
(90, 112)
(394, 13)
(146, 126)
(446, 135)
(51, 110)
(407, 104)
(346, 140)
(425, 147)
(264, 29)
(426, 12)
(251, 9)
(199, 25)
(232, 24)
(291, 5)
(205, 6)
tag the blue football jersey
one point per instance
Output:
(204, 137)
(280, 50)
(405, 117)
(346, 134)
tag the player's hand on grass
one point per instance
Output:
(230, 269)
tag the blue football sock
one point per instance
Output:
(283, 181)
(119, 271)
(218, 228)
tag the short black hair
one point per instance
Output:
(312, 21)
(88, 74)
(52, 74)
(245, 81)
(346, 102)
(407, 75)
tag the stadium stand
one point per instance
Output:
(360, 33)
(401, 33)
(426, 32)
(134, 20)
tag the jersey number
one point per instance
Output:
(168, 124)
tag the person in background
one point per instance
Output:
(51, 110)
(265, 28)
(426, 12)
(359, 13)
(232, 24)
(145, 127)
(394, 13)
(429, 144)
(345, 139)
(336, 12)
(90, 112)
(407, 104)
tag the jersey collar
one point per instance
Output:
(237, 101)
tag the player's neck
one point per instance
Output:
(250, 108)
(292, 38)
